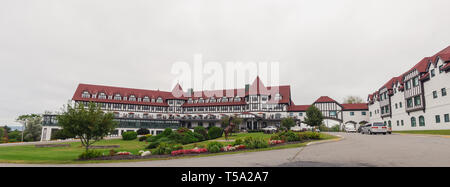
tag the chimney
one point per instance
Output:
(247, 88)
(190, 92)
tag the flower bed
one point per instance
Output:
(232, 148)
(189, 151)
(275, 142)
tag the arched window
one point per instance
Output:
(389, 123)
(86, 94)
(421, 121)
(224, 99)
(159, 100)
(117, 97)
(237, 99)
(201, 100)
(132, 98)
(146, 99)
(278, 97)
(413, 121)
(212, 100)
(190, 100)
(102, 95)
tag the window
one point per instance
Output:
(398, 123)
(433, 73)
(402, 123)
(264, 98)
(444, 92)
(438, 118)
(396, 106)
(132, 98)
(440, 68)
(421, 121)
(446, 118)
(415, 81)
(413, 121)
(117, 97)
(146, 99)
(237, 99)
(408, 85)
(434, 94)
(332, 113)
(363, 113)
(102, 95)
(86, 94)
(159, 100)
(389, 123)
(417, 101)
(409, 103)
(352, 113)
(400, 104)
(301, 114)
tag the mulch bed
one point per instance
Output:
(137, 157)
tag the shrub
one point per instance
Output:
(312, 135)
(143, 138)
(214, 147)
(143, 131)
(255, 143)
(90, 154)
(166, 132)
(153, 145)
(129, 135)
(288, 136)
(165, 148)
(112, 152)
(215, 132)
(201, 130)
(238, 142)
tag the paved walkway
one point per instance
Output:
(352, 150)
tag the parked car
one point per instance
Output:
(374, 128)
(296, 128)
(350, 129)
(360, 128)
(270, 129)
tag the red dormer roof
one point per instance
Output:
(325, 99)
(356, 106)
(177, 91)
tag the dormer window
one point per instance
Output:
(102, 95)
(190, 100)
(224, 99)
(146, 99)
(212, 100)
(86, 94)
(132, 98)
(153, 100)
(278, 97)
(237, 99)
(117, 97)
(201, 100)
(159, 100)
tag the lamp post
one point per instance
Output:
(23, 128)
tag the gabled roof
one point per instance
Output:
(325, 99)
(257, 88)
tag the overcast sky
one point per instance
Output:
(324, 47)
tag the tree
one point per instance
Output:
(313, 117)
(353, 100)
(8, 129)
(287, 123)
(90, 124)
(33, 127)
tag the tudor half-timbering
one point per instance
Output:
(417, 99)
(259, 106)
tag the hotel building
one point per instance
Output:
(259, 106)
(416, 99)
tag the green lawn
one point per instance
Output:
(68, 155)
(433, 132)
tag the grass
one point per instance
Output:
(432, 132)
(67, 155)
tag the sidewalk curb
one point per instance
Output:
(429, 135)
(326, 141)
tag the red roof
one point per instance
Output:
(213, 104)
(325, 99)
(178, 93)
(298, 108)
(257, 88)
(356, 106)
